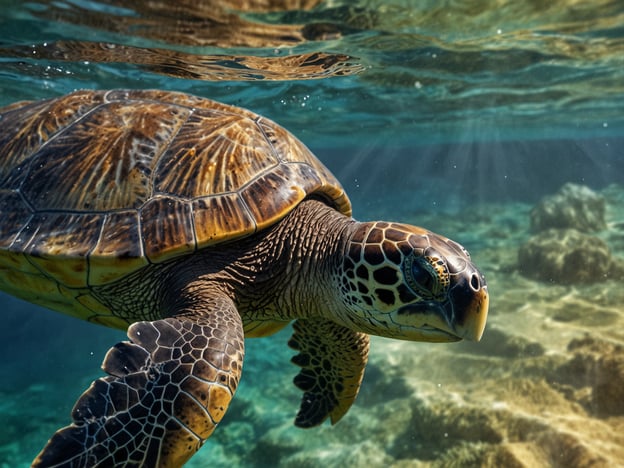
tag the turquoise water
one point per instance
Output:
(458, 116)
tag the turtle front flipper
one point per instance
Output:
(167, 390)
(332, 359)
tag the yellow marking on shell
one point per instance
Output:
(300, 193)
(221, 217)
(167, 228)
(135, 176)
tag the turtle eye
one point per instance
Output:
(419, 276)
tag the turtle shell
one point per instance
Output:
(98, 184)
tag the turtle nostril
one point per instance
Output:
(474, 282)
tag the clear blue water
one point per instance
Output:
(459, 116)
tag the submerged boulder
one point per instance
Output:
(572, 207)
(567, 256)
(599, 365)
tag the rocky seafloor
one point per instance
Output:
(544, 387)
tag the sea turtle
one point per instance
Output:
(194, 224)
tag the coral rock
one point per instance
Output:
(566, 256)
(573, 206)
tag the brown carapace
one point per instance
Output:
(192, 225)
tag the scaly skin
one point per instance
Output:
(168, 387)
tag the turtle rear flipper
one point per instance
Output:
(167, 390)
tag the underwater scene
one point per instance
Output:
(499, 124)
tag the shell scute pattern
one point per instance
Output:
(48, 236)
(16, 214)
(26, 126)
(271, 192)
(111, 151)
(119, 245)
(167, 223)
(213, 153)
(147, 176)
(219, 216)
(120, 236)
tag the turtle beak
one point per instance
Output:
(467, 306)
(462, 316)
(470, 322)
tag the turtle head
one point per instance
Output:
(406, 282)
